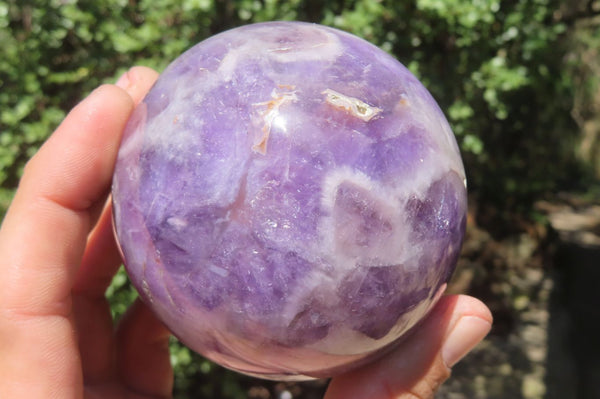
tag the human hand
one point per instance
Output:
(417, 367)
(58, 256)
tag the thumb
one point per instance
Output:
(422, 361)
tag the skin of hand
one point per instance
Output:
(58, 256)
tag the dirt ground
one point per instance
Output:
(542, 286)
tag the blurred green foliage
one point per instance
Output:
(497, 68)
(504, 71)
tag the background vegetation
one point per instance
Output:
(518, 80)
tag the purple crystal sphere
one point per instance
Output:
(289, 199)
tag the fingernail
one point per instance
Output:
(123, 81)
(467, 333)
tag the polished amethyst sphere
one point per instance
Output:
(289, 200)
